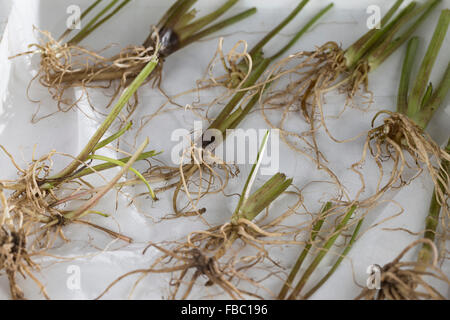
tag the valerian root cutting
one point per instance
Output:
(33, 214)
(401, 137)
(67, 65)
(213, 254)
(406, 280)
(232, 114)
(330, 67)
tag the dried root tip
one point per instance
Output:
(404, 280)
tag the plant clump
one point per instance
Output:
(405, 280)
(65, 65)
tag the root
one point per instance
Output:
(36, 206)
(237, 67)
(404, 280)
(400, 140)
(216, 255)
(66, 66)
(317, 72)
(32, 216)
(14, 257)
(190, 259)
(314, 74)
(204, 174)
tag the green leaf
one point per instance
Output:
(122, 164)
(115, 136)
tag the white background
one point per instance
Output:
(68, 132)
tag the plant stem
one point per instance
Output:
(258, 47)
(98, 168)
(426, 113)
(302, 32)
(226, 111)
(354, 53)
(106, 166)
(122, 164)
(232, 118)
(250, 206)
(174, 13)
(327, 246)
(427, 95)
(105, 19)
(423, 77)
(377, 56)
(94, 200)
(217, 27)
(390, 13)
(408, 63)
(126, 95)
(298, 264)
(115, 136)
(264, 196)
(255, 75)
(92, 25)
(337, 263)
(250, 179)
(199, 24)
(245, 111)
(381, 46)
(254, 205)
(431, 222)
(185, 19)
(84, 14)
(355, 47)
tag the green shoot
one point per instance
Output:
(114, 137)
(421, 82)
(96, 198)
(126, 95)
(402, 97)
(93, 24)
(323, 251)
(431, 222)
(298, 264)
(337, 263)
(122, 164)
